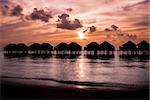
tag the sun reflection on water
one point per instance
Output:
(82, 69)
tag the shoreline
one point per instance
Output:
(22, 89)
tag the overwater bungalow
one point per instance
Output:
(62, 48)
(22, 48)
(74, 48)
(129, 48)
(10, 49)
(46, 48)
(35, 49)
(92, 48)
(143, 48)
(106, 48)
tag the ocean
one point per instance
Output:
(80, 71)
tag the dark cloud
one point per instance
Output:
(84, 29)
(10, 9)
(112, 28)
(107, 29)
(65, 23)
(4, 2)
(69, 9)
(92, 29)
(4, 9)
(63, 16)
(17, 11)
(40, 15)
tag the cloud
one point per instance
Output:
(112, 28)
(92, 29)
(131, 36)
(64, 16)
(17, 11)
(8, 8)
(143, 21)
(65, 23)
(107, 29)
(4, 1)
(130, 7)
(4, 9)
(40, 15)
(69, 9)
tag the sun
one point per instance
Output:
(81, 35)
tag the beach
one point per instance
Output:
(30, 89)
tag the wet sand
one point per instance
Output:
(21, 89)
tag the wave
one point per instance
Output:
(84, 83)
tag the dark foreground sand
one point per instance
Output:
(21, 90)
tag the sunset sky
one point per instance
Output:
(81, 21)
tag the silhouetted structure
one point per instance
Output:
(143, 49)
(106, 48)
(62, 48)
(128, 49)
(74, 48)
(22, 48)
(143, 46)
(46, 49)
(35, 49)
(10, 49)
(92, 48)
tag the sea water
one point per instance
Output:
(132, 72)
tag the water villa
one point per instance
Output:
(92, 49)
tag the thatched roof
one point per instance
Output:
(106, 46)
(74, 47)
